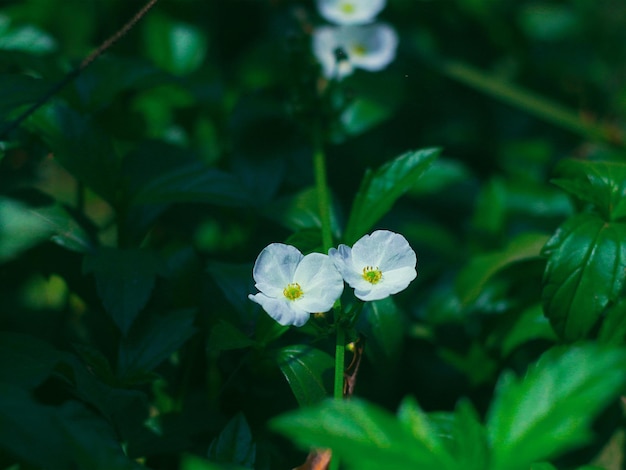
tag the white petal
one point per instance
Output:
(385, 250)
(282, 310)
(342, 258)
(377, 44)
(350, 11)
(274, 268)
(326, 40)
(321, 283)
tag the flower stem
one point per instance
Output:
(321, 185)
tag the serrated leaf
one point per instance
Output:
(361, 435)
(469, 439)
(152, 341)
(234, 445)
(124, 279)
(601, 183)
(474, 277)
(550, 410)
(381, 188)
(585, 272)
(305, 369)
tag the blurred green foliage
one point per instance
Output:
(135, 199)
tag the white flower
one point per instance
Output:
(370, 47)
(350, 11)
(293, 285)
(377, 266)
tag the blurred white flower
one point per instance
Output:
(349, 12)
(377, 266)
(370, 47)
(293, 285)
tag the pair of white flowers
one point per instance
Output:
(370, 46)
(292, 285)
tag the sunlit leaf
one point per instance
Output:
(173, 45)
(22, 227)
(585, 271)
(380, 189)
(361, 435)
(551, 409)
(306, 369)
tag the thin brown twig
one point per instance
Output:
(78, 70)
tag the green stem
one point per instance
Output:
(321, 185)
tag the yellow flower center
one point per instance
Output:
(372, 275)
(347, 8)
(293, 291)
(359, 50)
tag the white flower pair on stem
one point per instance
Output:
(292, 285)
(367, 45)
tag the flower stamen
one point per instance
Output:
(293, 291)
(372, 275)
(348, 8)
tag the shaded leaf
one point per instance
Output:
(80, 146)
(585, 271)
(225, 336)
(481, 269)
(18, 90)
(25, 360)
(384, 329)
(550, 410)
(530, 325)
(124, 279)
(603, 184)
(152, 341)
(305, 367)
(380, 189)
(234, 444)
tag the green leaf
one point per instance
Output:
(551, 409)
(531, 324)
(603, 184)
(364, 113)
(19, 90)
(80, 146)
(192, 462)
(385, 328)
(585, 272)
(26, 38)
(361, 435)
(193, 182)
(234, 444)
(481, 269)
(469, 439)
(25, 360)
(152, 341)
(125, 279)
(613, 330)
(225, 336)
(22, 227)
(381, 188)
(175, 46)
(305, 369)
(26, 425)
(489, 217)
